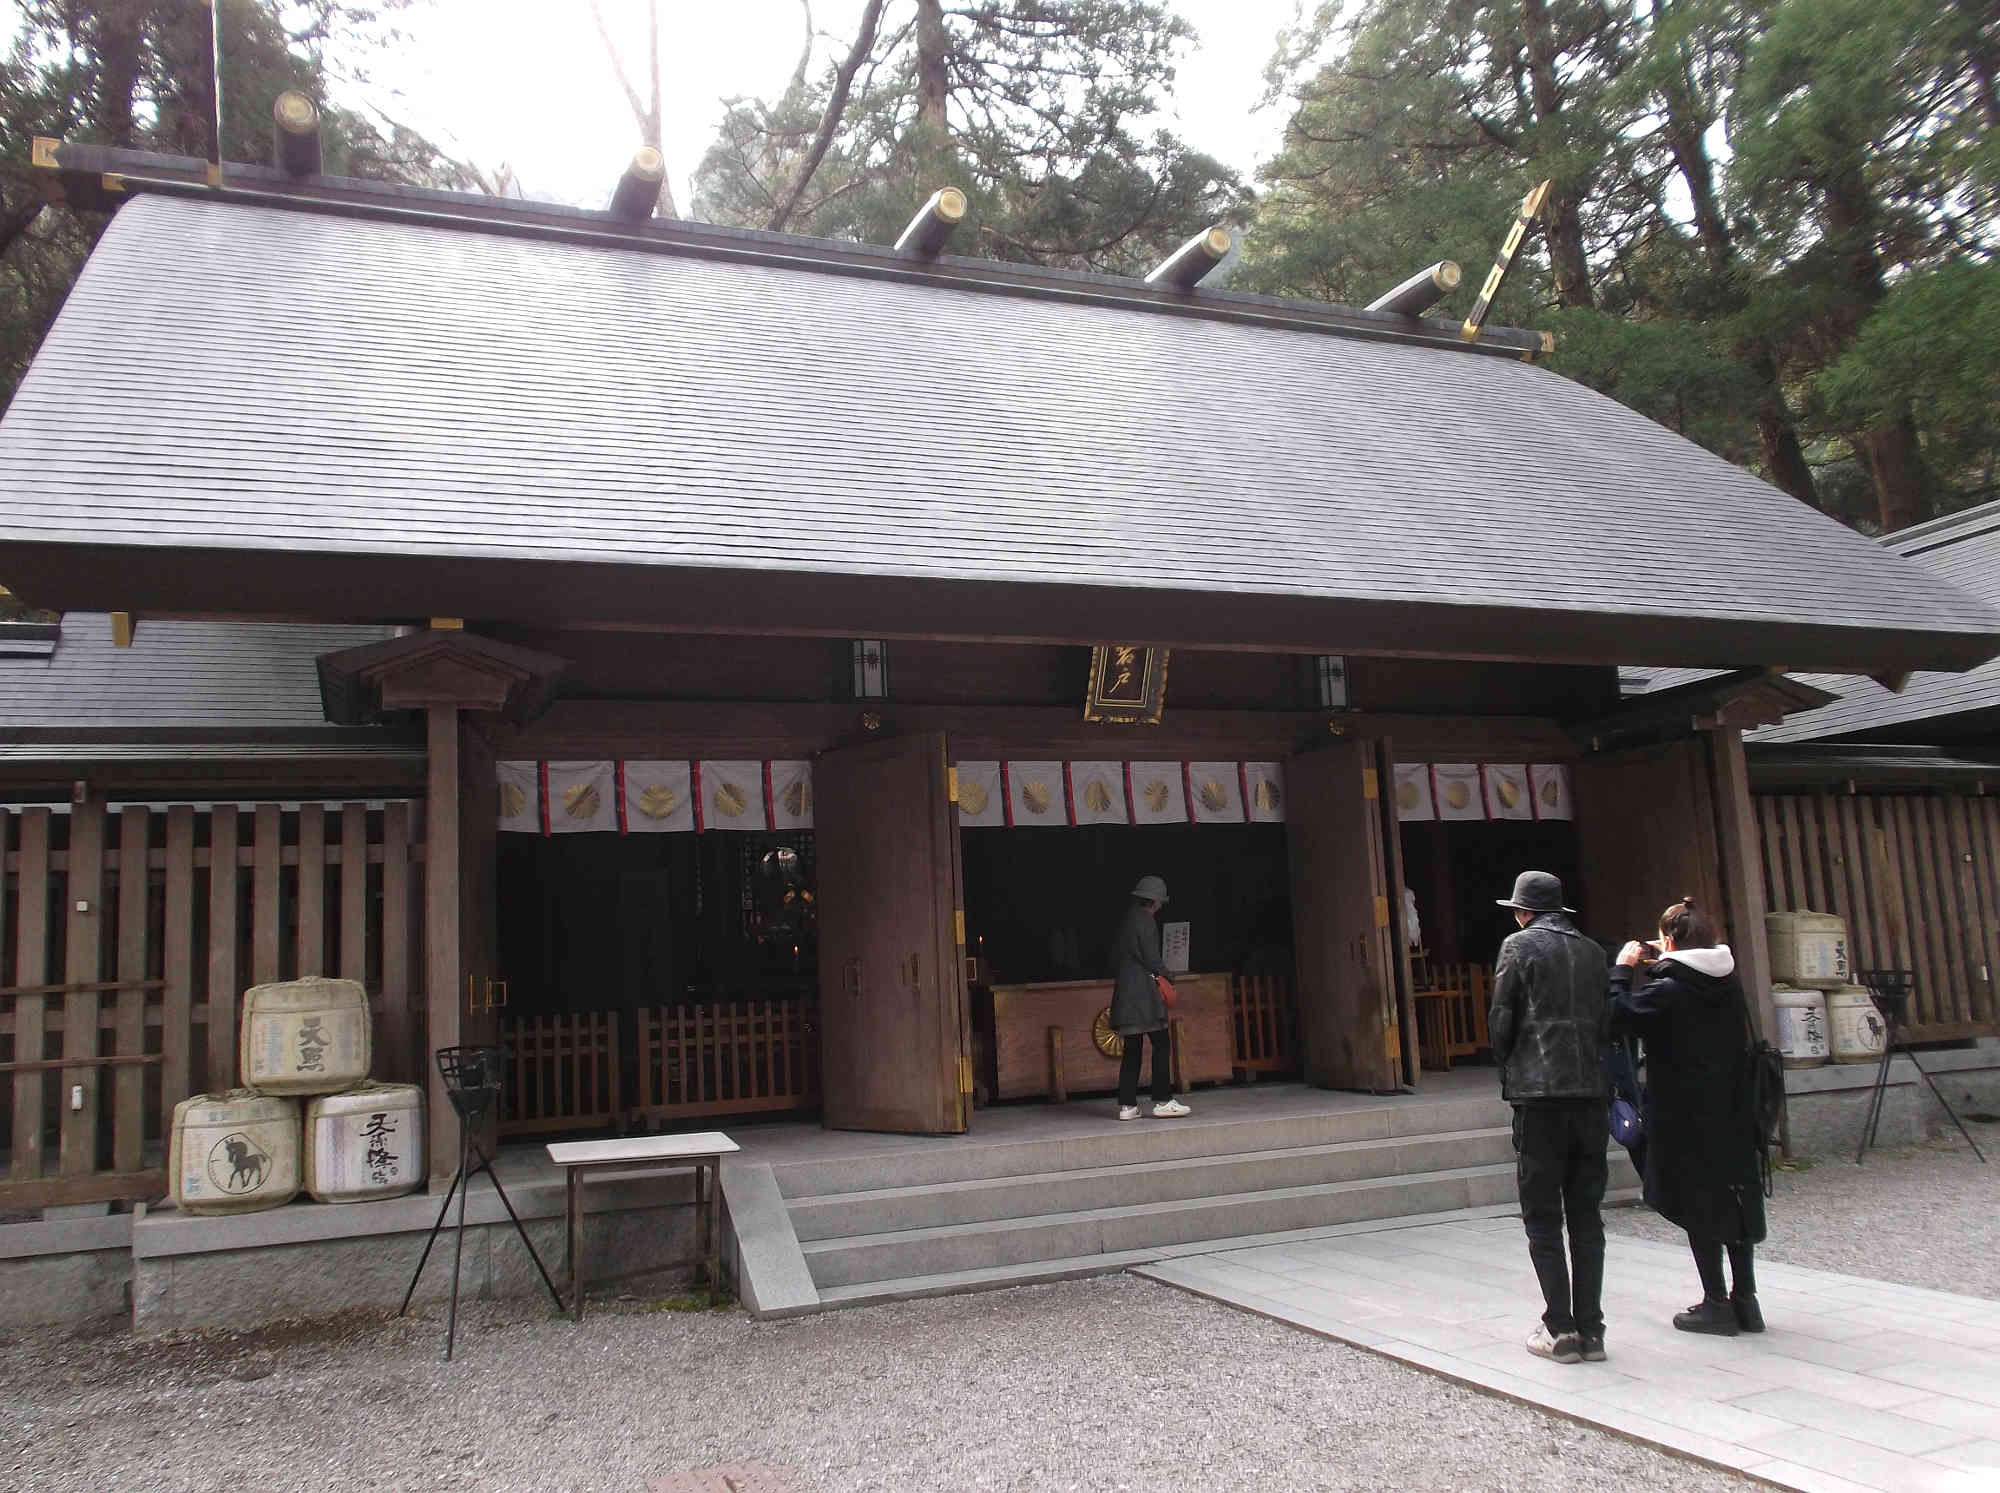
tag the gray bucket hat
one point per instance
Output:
(1536, 891)
(1150, 889)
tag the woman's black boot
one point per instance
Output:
(1712, 1314)
(1749, 1316)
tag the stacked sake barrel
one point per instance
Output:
(307, 1040)
(1820, 1015)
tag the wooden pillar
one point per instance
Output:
(1742, 873)
(445, 997)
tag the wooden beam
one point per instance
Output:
(638, 191)
(103, 1187)
(1742, 874)
(295, 135)
(441, 924)
(934, 224)
(1421, 291)
(1185, 268)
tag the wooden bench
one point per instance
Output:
(702, 1152)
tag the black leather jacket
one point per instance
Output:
(1550, 1022)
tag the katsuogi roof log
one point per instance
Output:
(1421, 291)
(295, 129)
(638, 190)
(934, 223)
(1186, 266)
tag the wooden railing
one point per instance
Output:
(1262, 1020)
(563, 1073)
(125, 944)
(733, 1057)
(1451, 1012)
(1916, 876)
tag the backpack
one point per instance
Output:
(1764, 1092)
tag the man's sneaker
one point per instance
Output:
(1128, 1111)
(1173, 1109)
(1749, 1316)
(1592, 1346)
(1715, 1316)
(1545, 1344)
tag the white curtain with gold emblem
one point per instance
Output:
(520, 797)
(583, 798)
(1097, 793)
(1159, 792)
(1264, 792)
(1215, 792)
(980, 805)
(1458, 791)
(1414, 803)
(1035, 795)
(1550, 781)
(1507, 794)
(731, 796)
(791, 795)
(659, 798)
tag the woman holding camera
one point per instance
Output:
(1701, 1161)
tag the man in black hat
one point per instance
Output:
(1549, 1025)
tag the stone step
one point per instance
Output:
(899, 1209)
(1014, 1241)
(1134, 1143)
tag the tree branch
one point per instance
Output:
(829, 120)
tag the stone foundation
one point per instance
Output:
(1826, 1107)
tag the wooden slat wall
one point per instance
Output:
(155, 940)
(563, 1073)
(1917, 879)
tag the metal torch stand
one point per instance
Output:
(471, 1078)
(1890, 991)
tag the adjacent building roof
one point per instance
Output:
(211, 677)
(379, 415)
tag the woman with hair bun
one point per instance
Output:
(1701, 1167)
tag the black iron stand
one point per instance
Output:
(1890, 990)
(472, 1082)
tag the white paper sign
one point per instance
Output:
(980, 804)
(1174, 947)
(1414, 801)
(1097, 793)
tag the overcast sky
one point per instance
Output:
(526, 83)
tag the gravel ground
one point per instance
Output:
(1108, 1384)
(1924, 1216)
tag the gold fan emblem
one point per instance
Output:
(1407, 797)
(730, 800)
(1157, 795)
(1108, 1041)
(1509, 794)
(798, 799)
(1266, 796)
(1458, 796)
(972, 798)
(658, 801)
(1038, 798)
(1214, 797)
(580, 801)
(1551, 793)
(513, 802)
(1097, 797)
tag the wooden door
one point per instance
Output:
(1646, 836)
(894, 1038)
(1411, 1061)
(1342, 929)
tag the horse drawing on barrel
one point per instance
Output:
(246, 1164)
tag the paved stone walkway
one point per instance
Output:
(1858, 1386)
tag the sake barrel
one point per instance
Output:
(234, 1153)
(1858, 1030)
(307, 1036)
(1807, 948)
(1801, 1025)
(366, 1144)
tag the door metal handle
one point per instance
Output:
(851, 977)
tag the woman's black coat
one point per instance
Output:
(1701, 1168)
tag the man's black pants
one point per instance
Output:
(1562, 1171)
(1128, 1068)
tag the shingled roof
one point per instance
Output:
(380, 415)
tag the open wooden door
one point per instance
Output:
(1342, 929)
(895, 1049)
(1646, 836)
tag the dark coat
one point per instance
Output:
(1548, 1020)
(1135, 961)
(1701, 1161)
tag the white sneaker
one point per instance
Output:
(1128, 1111)
(1173, 1109)
(1565, 1349)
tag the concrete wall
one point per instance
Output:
(65, 1270)
(1826, 1107)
